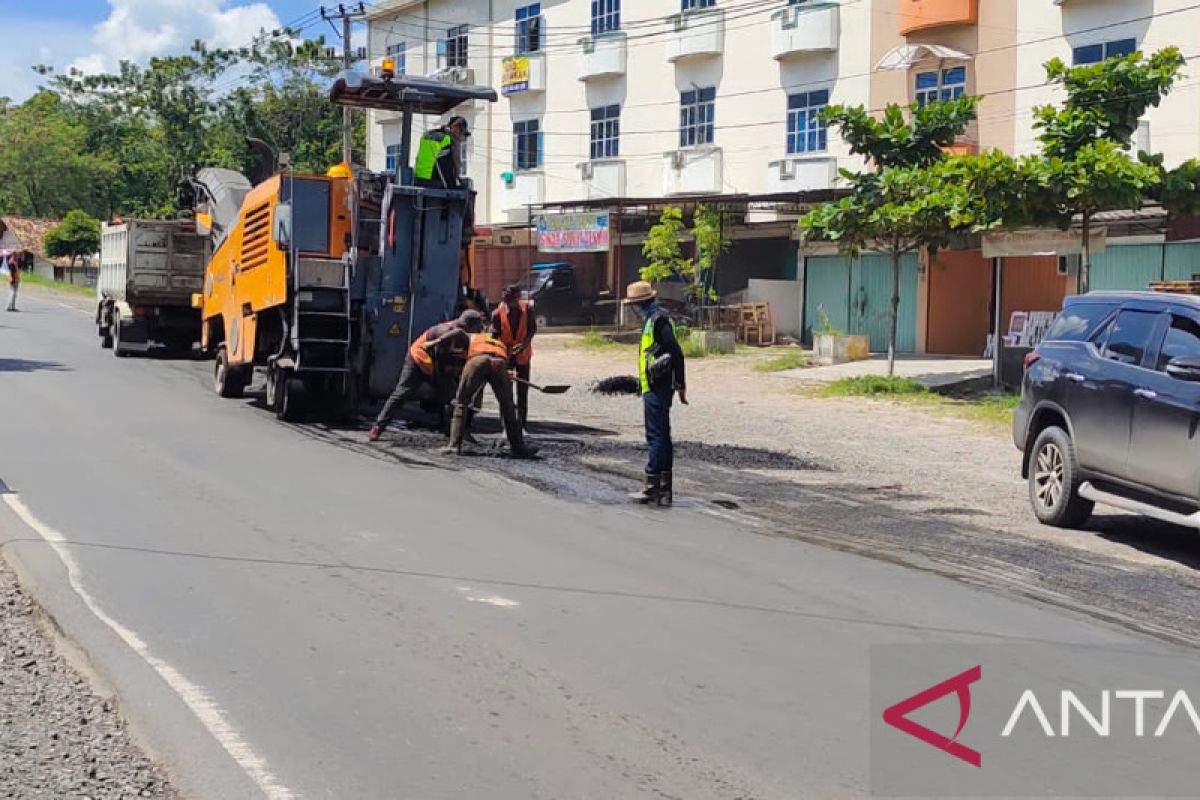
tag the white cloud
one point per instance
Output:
(136, 30)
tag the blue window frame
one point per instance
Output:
(527, 144)
(689, 5)
(697, 111)
(399, 53)
(606, 16)
(1095, 53)
(606, 132)
(944, 85)
(393, 158)
(806, 130)
(452, 51)
(529, 28)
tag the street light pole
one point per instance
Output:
(347, 16)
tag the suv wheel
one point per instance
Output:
(1054, 480)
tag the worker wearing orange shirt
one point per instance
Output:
(514, 325)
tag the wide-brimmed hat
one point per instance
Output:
(639, 292)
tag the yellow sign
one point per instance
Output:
(394, 330)
(515, 77)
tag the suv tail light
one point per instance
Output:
(1031, 358)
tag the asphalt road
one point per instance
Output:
(281, 616)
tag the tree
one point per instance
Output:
(662, 248)
(905, 205)
(77, 235)
(708, 229)
(1085, 142)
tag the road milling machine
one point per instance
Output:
(324, 281)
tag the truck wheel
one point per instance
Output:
(542, 321)
(1054, 479)
(115, 335)
(228, 381)
(274, 387)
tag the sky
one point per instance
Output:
(95, 35)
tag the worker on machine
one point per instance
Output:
(429, 358)
(439, 158)
(487, 363)
(513, 324)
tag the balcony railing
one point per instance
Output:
(919, 15)
(603, 55)
(696, 170)
(700, 32)
(808, 28)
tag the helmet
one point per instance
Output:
(341, 170)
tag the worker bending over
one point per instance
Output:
(487, 363)
(429, 357)
(514, 325)
(660, 376)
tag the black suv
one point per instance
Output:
(1110, 409)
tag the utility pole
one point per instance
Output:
(347, 16)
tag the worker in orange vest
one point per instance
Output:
(513, 324)
(487, 363)
(426, 361)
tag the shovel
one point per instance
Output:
(560, 388)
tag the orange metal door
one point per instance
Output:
(960, 295)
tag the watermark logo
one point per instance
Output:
(960, 685)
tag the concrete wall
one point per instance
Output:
(786, 299)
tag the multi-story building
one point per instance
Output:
(686, 99)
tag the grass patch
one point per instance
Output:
(693, 348)
(874, 386)
(791, 360)
(594, 340)
(62, 286)
(995, 409)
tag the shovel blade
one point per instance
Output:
(556, 389)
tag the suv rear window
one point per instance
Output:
(1078, 322)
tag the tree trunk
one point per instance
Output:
(1085, 264)
(895, 320)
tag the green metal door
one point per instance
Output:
(1183, 261)
(827, 289)
(871, 301)
(1130, 267)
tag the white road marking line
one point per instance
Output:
(73, 308)
(489, 600)
(195, 697)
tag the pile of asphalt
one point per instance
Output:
(58, 739)
(618, 384)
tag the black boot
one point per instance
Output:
(666, 492)
(651, 492)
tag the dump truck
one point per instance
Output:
(325, 280)
(149, 270)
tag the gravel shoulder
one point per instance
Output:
(58, 737)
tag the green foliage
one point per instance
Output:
(1180, 190)
(827, 327)
(693, 346)
(46, 165)
(77, 235)
(909, 137)
(33, 279)
(874, 386)
(793, 359)
(709, 231)
(662, 248)
(594, 340)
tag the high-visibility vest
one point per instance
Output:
(646, 344)
(506, 331)
(432, 145)
(483, 344)
(420, 355)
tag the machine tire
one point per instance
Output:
(227, 381)
(275, 379)
(1054, 479)
(542, 320)
(291, 398)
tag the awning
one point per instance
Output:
(906, 56)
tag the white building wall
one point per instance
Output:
(1155, 24)
(751, 104)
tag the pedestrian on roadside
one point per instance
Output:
(487, 363)
(428, 359)
(514, 325)
(660, 377)
(10, 264)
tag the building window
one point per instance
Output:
(393, 158)
(527, 145)
(399, 53)
(606, 132)
(944, 85)
(1095, 53)
(692, 5)
(452, 51)
(606, 16)
(806, 132)
(696, 111)
(529, 29)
